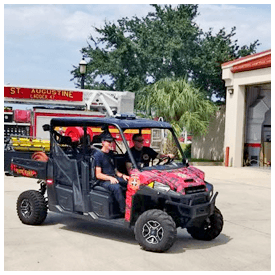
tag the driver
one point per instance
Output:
(142, 154)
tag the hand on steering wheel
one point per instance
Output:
(163, 159)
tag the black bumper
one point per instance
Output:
(186, 210)
(194, 214)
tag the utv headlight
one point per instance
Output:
(210, 189)
(158, 186)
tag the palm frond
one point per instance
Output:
(178, 102)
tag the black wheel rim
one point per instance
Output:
(26, 208)
(152, 232)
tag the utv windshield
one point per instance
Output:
(154, 148)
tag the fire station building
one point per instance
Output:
(247, 138)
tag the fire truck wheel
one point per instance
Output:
(40, 156)
(31, 207)
(155, 230)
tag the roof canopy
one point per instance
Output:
(122, 123)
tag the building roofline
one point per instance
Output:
(246, 58)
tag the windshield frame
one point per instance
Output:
(160, 167)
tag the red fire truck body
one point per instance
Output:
(23, 125)
(51, 103)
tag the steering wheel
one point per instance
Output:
(167, 158)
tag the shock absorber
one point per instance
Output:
(42, 189)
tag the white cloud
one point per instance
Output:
(65, 22)
(251, 22)
(62, 22)
(42, 20)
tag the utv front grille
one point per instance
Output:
(199, 199)
(195, 189)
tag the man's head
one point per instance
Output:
(107, 141)
(138, 141)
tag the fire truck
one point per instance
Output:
(23, 132)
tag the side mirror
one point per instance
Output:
(46, 127)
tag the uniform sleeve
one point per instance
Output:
(152, 153)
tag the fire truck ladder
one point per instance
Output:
(107, 102)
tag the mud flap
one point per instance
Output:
(28, 168)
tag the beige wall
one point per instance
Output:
(234, 125)
(211, 145)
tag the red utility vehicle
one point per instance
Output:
(158, 198)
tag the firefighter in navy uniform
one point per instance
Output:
(110, 178)
(142, 154)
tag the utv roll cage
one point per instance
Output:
(122, 123)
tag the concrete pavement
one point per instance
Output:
(62, 243)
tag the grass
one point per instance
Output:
(204, 160)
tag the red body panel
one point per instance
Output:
(177, 180)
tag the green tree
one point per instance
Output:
(136, 52)
(212, 52)
(178, 102)
(132, 53)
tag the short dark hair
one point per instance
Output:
(135, 136)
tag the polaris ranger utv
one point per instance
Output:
(159, 198)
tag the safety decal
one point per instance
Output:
(23, 172)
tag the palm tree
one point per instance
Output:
(179, 103)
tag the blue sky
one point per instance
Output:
(43, 42)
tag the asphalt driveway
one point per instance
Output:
(63, 243)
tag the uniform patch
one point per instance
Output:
(145, 157)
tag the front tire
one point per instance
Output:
(210, 229)
(31, 207)
(155, 230)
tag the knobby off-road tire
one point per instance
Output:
(155, 231)
(208, 230)
(31, 207)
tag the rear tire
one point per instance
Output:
(208, 230)
(155, 231)
(31, 207)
